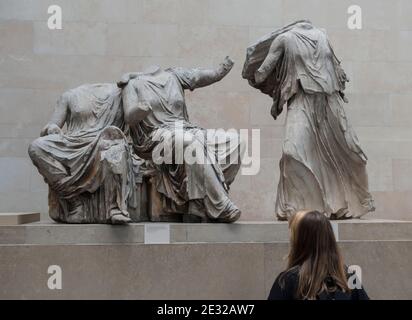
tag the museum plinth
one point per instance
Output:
(187, 261)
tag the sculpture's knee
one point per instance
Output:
(35, 149)
(109, 137)
(112, 133)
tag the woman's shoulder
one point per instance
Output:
(291, 273)
(285, 285)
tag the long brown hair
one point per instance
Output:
(315, 253)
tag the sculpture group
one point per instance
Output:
(100, 151)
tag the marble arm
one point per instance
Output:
(206, 77)
(58, 117)
(268, 65)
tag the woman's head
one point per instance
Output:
(315, 252)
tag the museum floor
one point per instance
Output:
(187, 261)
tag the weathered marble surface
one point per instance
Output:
(37, 65)
(322, 166)
(86, 152)
(89, 165)
(155, 109)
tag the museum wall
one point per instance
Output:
(102, 39)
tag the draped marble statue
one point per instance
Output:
(323, 166)
(90, 168)
(155, 109)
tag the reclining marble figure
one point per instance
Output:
(323, 166)
(89, 167)
(155, 109)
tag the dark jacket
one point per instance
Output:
(286, 284)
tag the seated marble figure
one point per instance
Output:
(154, 105)
(95, 176)
(89, 167)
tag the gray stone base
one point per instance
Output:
(16, 218)
(202, 261)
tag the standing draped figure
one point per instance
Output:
(323, 166)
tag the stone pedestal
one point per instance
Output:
(227, 261)
(16, 218)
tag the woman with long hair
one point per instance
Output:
(315, 268)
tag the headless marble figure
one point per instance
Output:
(88, 166)
(323, 166)
(154, 104)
